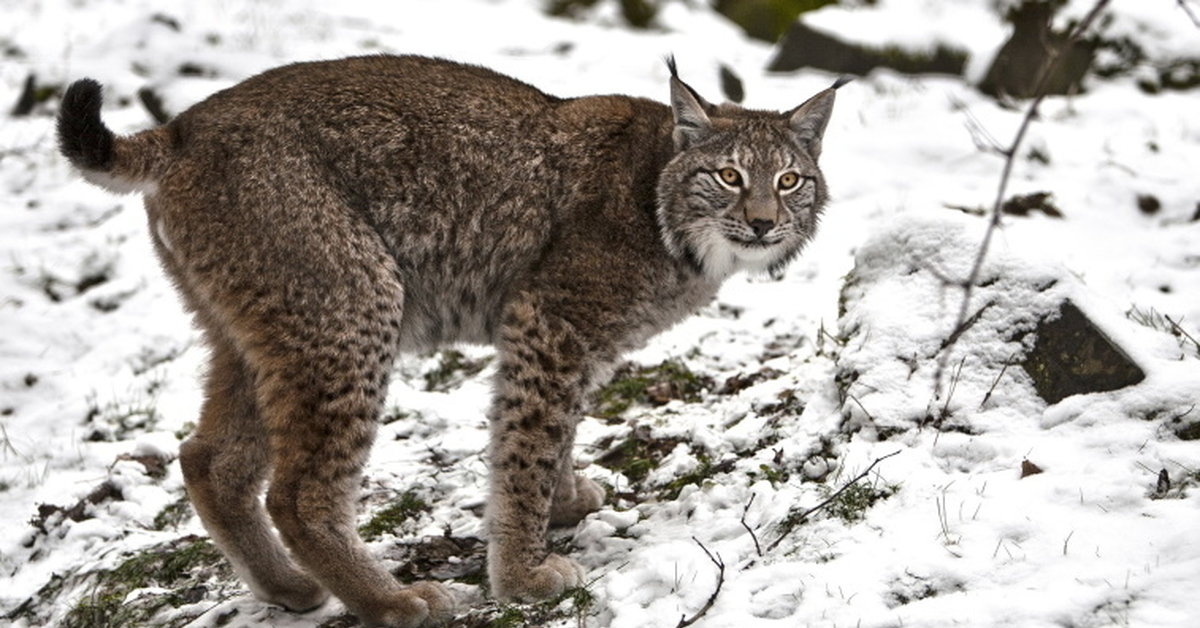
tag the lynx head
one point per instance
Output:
(743, 190)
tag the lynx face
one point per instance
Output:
(743, 191)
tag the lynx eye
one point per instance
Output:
(730, 176)
(788, 180)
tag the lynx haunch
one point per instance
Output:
(320, 218)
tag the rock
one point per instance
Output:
(1018, 64)
(154, 105)
(28, 98)
(731, 85)
(805, 47)
(765, 20)
(1148, 204)
(1072, 356)
(1025, 204)
(905, 361)
(1028, 468)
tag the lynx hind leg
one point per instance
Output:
(314, 306)
(323, 376)
(225, 463)
(539, 391)
(322, 411)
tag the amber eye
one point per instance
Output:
(730, 176)
(788, 180)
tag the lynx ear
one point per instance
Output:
(808, 121)
(691, 120)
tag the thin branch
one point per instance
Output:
(757, 547)
(1007, 363)
(685, 621)
(1186, 9)
(941, 418)
(1180, 331)
(982, 139)
(1010, 157)
(963, 326)
(836, 494)
(861, 407)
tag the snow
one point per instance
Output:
(95, 378)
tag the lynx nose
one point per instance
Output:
(761, 226)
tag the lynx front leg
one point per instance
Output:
(541, 382)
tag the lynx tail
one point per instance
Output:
(125, 164)
(82, 136)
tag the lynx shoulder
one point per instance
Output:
(320, 218)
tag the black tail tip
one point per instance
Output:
(82, 136)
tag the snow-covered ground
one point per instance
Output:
(99, 365)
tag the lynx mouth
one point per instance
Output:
(754, 243)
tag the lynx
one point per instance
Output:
(322, 217)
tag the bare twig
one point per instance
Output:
(941, 418)
(757, 547)
(6, 446)
(829, 500)
(1192, 14)
(988, 395)
(963, 326)
(861, 407)
(686, 621)
(979, 134)
(1180, 331)
(1010, 156)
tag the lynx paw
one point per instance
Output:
(555, 575)
(588, 497)
(294, 591)
(421, 604)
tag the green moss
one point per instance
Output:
(652, 385)
(185, 430)
(510, 617)
(395, 414)
(453, 367)
(573, 604)
(638, 455)
(173, 514)
(852, 504)
(33, 610)
(179, 568)
(117, 419)
(774, 475)
(389, 518)
(704, 471)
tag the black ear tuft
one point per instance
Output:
(82, 136)
(808, 121)
(842, 80)
(690, 111)
(675, 79)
